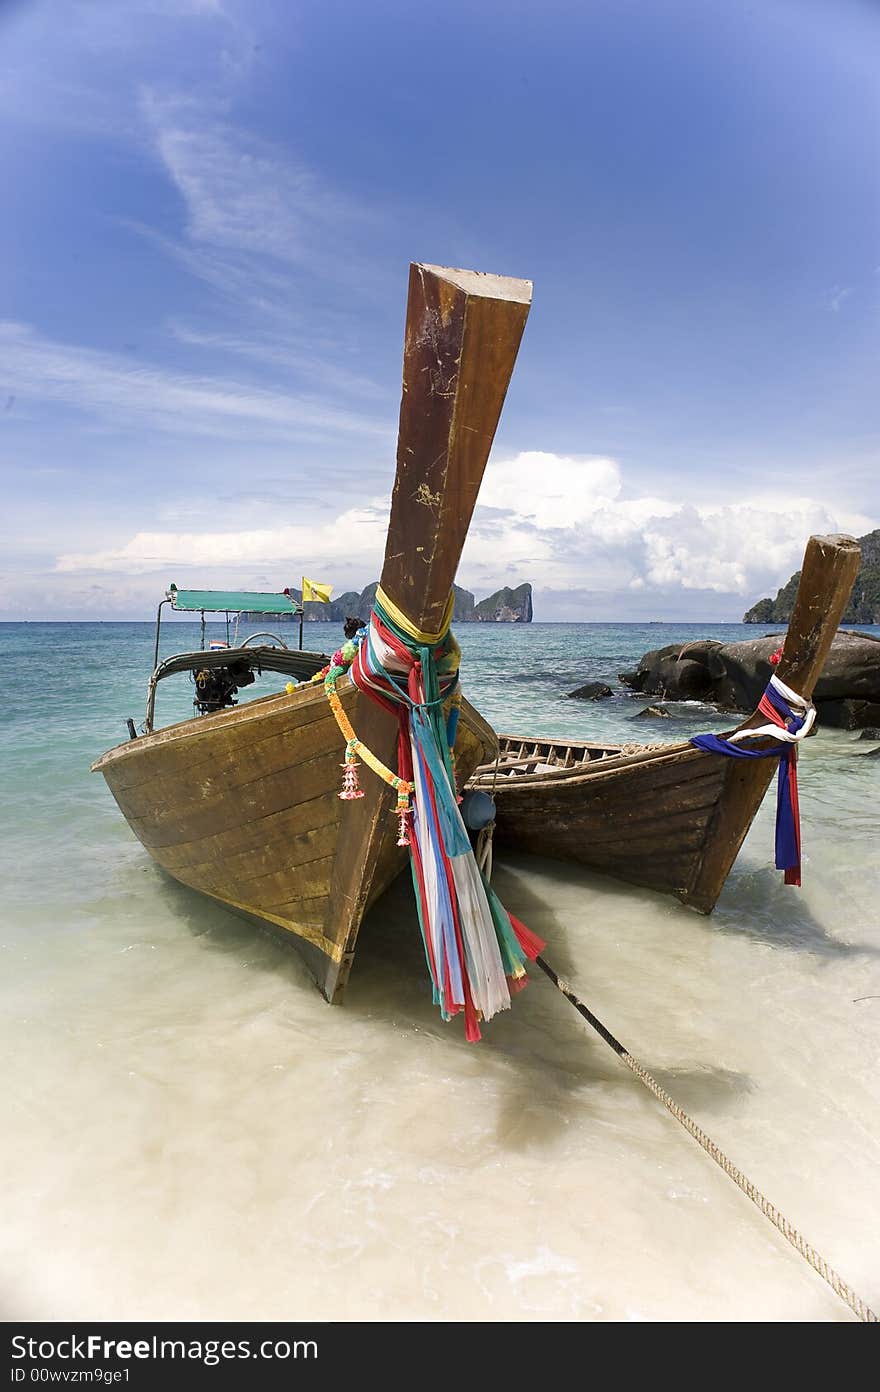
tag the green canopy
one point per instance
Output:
(232, 601)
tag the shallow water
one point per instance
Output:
(191, 1132)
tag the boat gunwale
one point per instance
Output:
(204, 725)
(593, 769)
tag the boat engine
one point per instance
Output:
(216, 687)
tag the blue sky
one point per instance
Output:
(209, 210)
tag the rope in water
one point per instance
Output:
(769, 1210)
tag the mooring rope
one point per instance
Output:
(769, 1210)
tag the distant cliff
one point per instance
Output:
(864, 604)
(505, 606)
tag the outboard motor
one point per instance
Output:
(216, 687)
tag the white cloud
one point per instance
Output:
(355, 538)
(563, 523)
(552, 490)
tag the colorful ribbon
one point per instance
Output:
(474, 949)
(791, 719)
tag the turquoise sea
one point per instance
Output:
(192, 1133)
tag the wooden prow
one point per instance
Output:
(831, 564)
(463, 330)
(830, 567)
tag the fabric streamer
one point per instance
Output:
(474, 949)
(791, 720)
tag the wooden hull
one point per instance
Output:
(243, 806)
(652, 818)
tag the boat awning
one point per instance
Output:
(232, 601)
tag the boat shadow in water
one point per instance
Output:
(539, 1060)
(757, 904)
(544, 1062)
(254, 944)
(705, 1086)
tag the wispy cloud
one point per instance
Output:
(241, 193)
(281, 354)
(836, 296)
(111, 387)
(257, 217)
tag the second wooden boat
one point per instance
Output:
(670, 817)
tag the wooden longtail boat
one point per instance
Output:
(243, 804)
(671, 818)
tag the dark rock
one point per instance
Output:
(740, 671)
(677, 668)
(699, 650)
(733, 676)
(848, 715)
(653, 671)
(652, 713)
(852, 668)
(871, 754)
(692, 679)
(591, 691)
(871, 733)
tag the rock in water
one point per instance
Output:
(848, 715)
(591, 691)
(678, 671)
(871, 733)
(652, 713)
(733, 676)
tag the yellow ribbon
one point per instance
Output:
(408, 627)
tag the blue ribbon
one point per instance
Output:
(787, 848)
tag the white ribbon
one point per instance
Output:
(777, 732)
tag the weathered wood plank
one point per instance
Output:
(283, 788)
(290, 822)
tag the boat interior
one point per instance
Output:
(219, 669)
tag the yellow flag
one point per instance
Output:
(312, 590)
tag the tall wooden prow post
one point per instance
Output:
(830, 566)
(463, 331)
